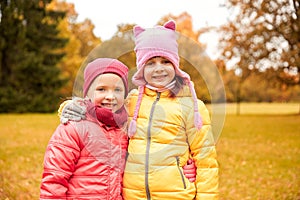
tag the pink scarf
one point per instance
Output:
(107, 117)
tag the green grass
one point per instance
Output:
(259, 157)
(259, 154)
(264, 108)
(23, 140)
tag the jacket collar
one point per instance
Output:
(184, 92)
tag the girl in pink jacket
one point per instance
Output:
(85, 159)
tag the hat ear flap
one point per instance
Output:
(137, 30)
(170, 25)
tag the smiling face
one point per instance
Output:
(159, 72)
(107, 91)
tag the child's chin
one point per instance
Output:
(110, 108)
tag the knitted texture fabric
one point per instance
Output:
(101, 66)
(160, 41)
(152, 42)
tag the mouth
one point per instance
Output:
(159, 76)
(108, 105)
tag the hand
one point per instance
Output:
(73, 110)
(189, 170)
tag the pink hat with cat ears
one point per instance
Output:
(152, 42)
(157, 41)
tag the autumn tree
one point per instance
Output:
(29, 77)
(262, 34)
(82, 41)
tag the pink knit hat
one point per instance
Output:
(152, 42)
(157, 41)
(101, 66)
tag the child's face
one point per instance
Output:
(159, 72)
(107, 91)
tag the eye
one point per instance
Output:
(119, 90)
(165, 61)
(100, 89)
(149, 63)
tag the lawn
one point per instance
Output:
(23, 139)
(259, 157)
(259, 154)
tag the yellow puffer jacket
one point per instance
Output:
(165, 139)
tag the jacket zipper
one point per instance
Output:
(181, 174)
(148, 146)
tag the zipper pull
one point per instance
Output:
(157, 96)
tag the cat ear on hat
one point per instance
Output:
(170, 25)
(137, 30)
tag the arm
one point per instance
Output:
(61, 155)
(203, 152)
(72, 110)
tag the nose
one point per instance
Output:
(159, 67)
(110, 95)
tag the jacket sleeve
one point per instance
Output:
(62, 153)
(203, 151)
(62, 106)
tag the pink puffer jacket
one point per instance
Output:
(84, 160)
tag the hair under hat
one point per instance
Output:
(152, 42)
(102, 66)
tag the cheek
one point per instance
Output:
(97, 98)
(172, 72)
(147, 75)
(120, 98)
(173, 75)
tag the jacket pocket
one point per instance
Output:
(180, 172)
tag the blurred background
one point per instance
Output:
(254, 45)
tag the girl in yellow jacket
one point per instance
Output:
(168, 125)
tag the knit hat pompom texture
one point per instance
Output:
(153, 42)
(102, 66)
